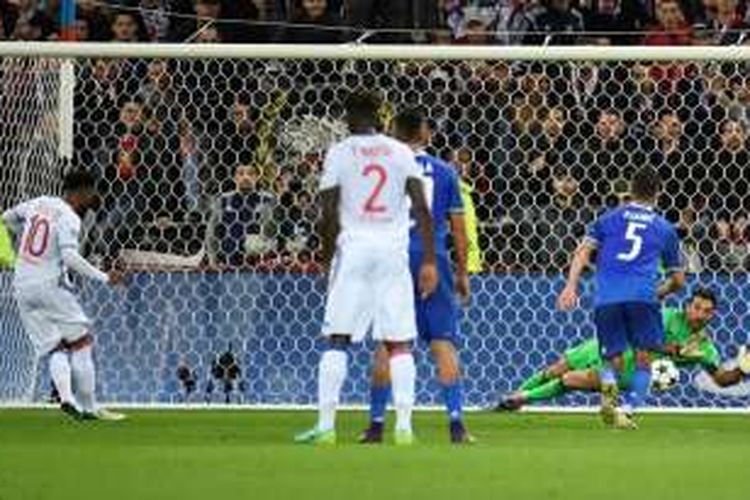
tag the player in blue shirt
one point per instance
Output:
(630, 242)
(437, 314)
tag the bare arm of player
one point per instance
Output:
(673, 283)
(460, 242)
(568, 299)
(428, 277)
(328, 225)
(74, 261)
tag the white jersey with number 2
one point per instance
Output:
(47, 225)
(370, 286)
(371, 171)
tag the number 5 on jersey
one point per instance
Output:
(635, 239)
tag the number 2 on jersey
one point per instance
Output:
(37, 237)
(373, 205)
(635, 239)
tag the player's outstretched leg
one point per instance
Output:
(446, 360)
(332, 371)
(543, 385)
(380, 392)
(59, 369)
(403, 381)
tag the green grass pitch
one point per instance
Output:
(249, 455)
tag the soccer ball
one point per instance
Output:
(664, 374)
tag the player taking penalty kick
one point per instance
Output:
(368, 180)
(49, 229)
(630, 242)
(437, 315)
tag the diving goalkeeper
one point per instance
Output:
(686, 344)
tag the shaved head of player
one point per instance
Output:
(362, 109)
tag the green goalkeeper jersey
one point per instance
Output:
(695, 348)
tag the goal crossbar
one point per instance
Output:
(370, 52)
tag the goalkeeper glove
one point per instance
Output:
(743, 360)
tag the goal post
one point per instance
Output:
(226, 301)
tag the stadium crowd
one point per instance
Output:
(199, 154)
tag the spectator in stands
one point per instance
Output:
(155, 16)
(245, 29)
(622, 16)
(727, 180)
(668, 132)
(237, 142)
(241, 227)
(550, 22)
(157, 91)
(476, 27)
(311, 13)
(672, 26)
(90, 12)
(607, 155)
(723, 22)
(730, 245)
(126, 27)
(29, 21)
(209, 34)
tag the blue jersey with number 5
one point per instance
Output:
(631, 241)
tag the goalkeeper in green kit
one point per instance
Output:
(686, 344)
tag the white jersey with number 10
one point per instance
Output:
(48, 225)
(371, 170)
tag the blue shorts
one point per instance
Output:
(630, 324)
(437, 316)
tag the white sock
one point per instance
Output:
(403, 378)
(331, 375)
(59, 369)
(84, 376)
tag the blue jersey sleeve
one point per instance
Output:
(595, 233)
(671, 254)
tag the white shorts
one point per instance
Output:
(370, 290)
(50, 315)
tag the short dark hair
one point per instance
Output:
(408, 123)
(705, 294)
(78, 180)
(645, 184)
(362, 108)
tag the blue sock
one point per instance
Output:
(378, 402)
(639, 386)
(453, 403)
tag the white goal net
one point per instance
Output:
(208, 158)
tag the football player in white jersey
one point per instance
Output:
(369, 185)
(48, 230)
